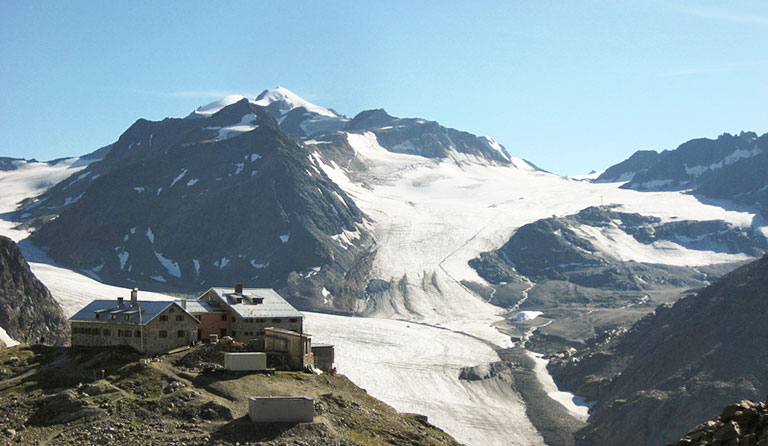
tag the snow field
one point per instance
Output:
(431, 215)
(29, 180)
(575, 405)
(415, 368)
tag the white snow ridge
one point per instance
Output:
(289, 100)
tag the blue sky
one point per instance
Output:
(572, 86)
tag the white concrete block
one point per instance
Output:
(281, 409)
(247, 361)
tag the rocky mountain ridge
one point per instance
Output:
(186, 203)
(675, 367)
(28, 312)
(603, 267)
(731, 167)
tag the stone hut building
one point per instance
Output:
(213, 317)
(150, 327)
(250, 310)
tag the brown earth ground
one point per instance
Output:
(96, 396)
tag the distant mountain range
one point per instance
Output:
(731, 167)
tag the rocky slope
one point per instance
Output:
(427, 138)
(602, 267)
(71, 396)
(676, 367)
(28, 312)
(183, 204)
(730, 167)
(744, 423)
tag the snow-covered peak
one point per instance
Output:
(206, 111)
(288, 100)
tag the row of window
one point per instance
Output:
(113, 316)
(94, 331)
(179, 317)
(179, 334)
(274, 321)
(127, 333)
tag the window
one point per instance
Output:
(180, 317)
(105, 332)
(224, 317)
(127, 317)
(163, 334)
(172, 310)
(294, 319)
(114, 316)
(127, 333)
(119, 333)
(276, 321)
(96, 315)
(138, 333)
(164, 317)
(259, 321)
(223, 332)
(180, 334)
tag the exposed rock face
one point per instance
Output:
(565, 248)
(744, 423)
(425, 138)
(8, 163)
(676, 367)
(183, 204)
(28, 312)
(731, 167)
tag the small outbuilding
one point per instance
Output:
(323, 356)
(287, 349)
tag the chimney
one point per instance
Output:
(183, 303)
(134, 297)
(119, 301)
(239, 288)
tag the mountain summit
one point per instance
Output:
(285, 100)
(294, 114)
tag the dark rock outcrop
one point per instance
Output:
(557, 248)
(741, 424)
(425, 138)
(28, 312)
